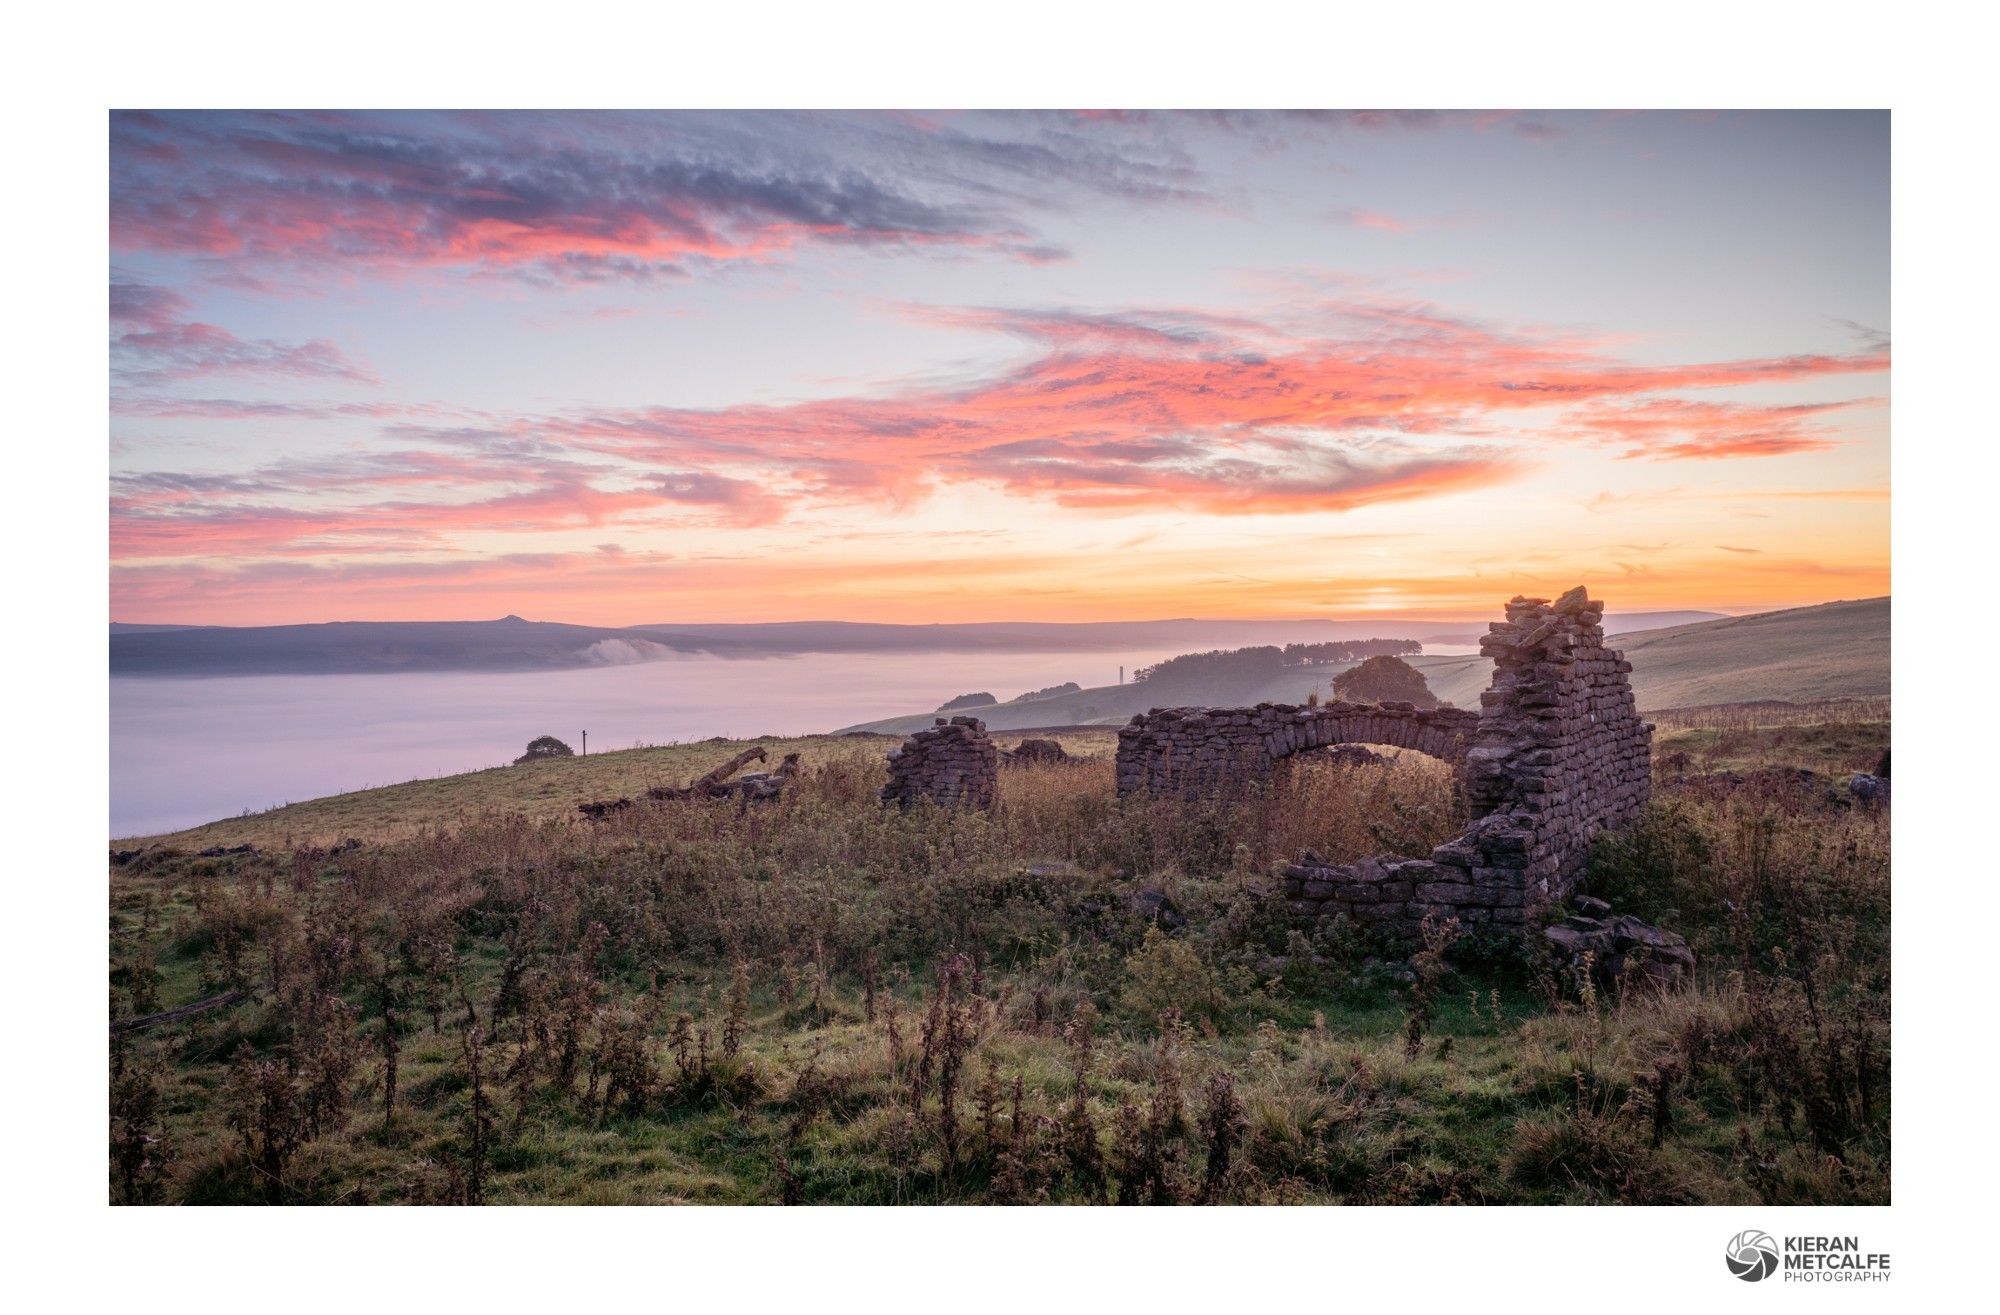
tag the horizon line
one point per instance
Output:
(941, 625)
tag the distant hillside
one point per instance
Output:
(1614, 623)
(1802, 654)
(1111, 705)
(1835, 650)
(512, 644)
(1025, 636)
(339, 647)
(130, 628)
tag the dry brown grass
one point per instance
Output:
(1833, 749)
(549, 789)
(1757, 716)
(693, 1002)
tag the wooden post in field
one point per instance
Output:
(586, 744)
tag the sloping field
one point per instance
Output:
(552, 788)
(1835, 650)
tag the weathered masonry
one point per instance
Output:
(1193, 751)
(1556, 755)
(952, 764)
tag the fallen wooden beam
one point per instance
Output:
(709, 784)
(120, 1025)
(712, 785)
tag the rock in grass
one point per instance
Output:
(1623, 950)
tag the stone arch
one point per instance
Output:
(1559, 757)
(1555, 756)
(1443, 733)
(1190, 751)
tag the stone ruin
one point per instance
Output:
(1556, 755)
(1036, 751)
(952, 764)
(1197, 751)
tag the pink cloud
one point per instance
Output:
(1353, 403)
(153, 341)
(1679, 429)
(574, 199)
(1188, 409)
(1357, 217)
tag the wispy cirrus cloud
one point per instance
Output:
(179, 524)
(1375, 220)
(1274, 126)
(1681, 429)
(155, 340)
(405, 500)
(1346, 404)
(1193, 334)
(1221, 413)
(575, 198)
(161, 407)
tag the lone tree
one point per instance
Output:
(544, 746)
(1384, 680)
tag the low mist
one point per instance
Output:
(189, 751)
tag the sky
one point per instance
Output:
(630, 368)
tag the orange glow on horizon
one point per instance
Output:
(636, 368)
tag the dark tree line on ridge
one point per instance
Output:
(1266, 660)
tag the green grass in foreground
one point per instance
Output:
(822, 1001)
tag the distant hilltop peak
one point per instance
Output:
(518, 620)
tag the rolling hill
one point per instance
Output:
(514, 644)
(350, 647)
(1834, 650)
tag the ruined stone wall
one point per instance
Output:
(1560, 755)
(952, 764)
(1192, 751)
(1560, 742)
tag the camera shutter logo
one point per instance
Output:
(1752, 1255)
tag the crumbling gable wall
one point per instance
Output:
(1560, 743)
(1196, 751)
(953, 764)
(1560, 755)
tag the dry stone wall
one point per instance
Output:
(1194, 751)
(1559, 756)
(1560, 742)
(1555, 755)
(953, 764)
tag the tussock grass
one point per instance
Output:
(548, 789)
(1072, 999)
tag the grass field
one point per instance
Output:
(1805, 654)
(1840, 737)
(551, 788)
(1072, 999)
